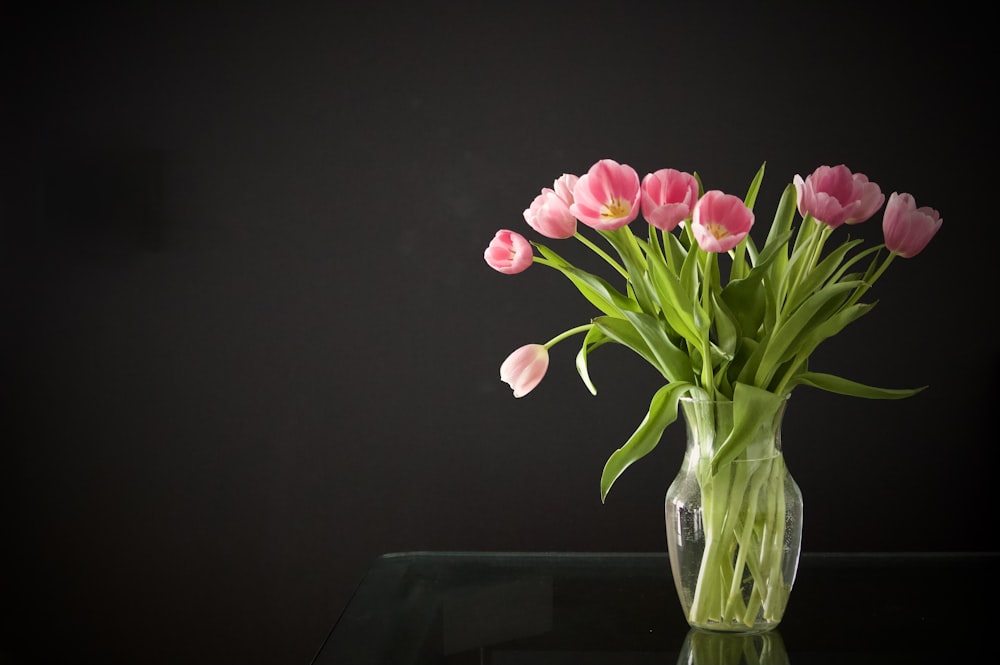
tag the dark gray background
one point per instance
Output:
(249, 341)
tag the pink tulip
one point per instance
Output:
(668, 197)
(524, 368)
(564, 186)
(908, 228)
(509, 252)
(549, 213)
(607, 196)
(833, 195)
(720, 221)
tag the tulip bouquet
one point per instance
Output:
(745, 339)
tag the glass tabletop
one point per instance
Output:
(588, 609)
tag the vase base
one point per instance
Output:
(734, 628)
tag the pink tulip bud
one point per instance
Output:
(607, 196)
(668, 196)
(549, 213)
(908, 228)
(720, 221)
(524, 368)
(833, 195)
(509, 252)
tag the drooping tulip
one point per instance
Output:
(607, 196)
(908, 228)
(720, 221)
(509, 252)
(834, 196)
(668, 196)
(549, 213)
(524, 368)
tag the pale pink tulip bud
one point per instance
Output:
(549, 213)
(720, 221)
(524, 368)
(509, 252)
(607, 196)
(668, 196)
(908, 228)
(833, 195)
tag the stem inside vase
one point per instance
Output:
(733, 529)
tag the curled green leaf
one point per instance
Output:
(662, 412)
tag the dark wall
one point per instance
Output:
(249, 341)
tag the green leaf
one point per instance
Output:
(595, 289)
(792, 271)
(784, 340)
(831, 326)
(739, 269)
(745, 300)
(745, 297)
(745, 351)
(808, 226)
(781, 226)
(874, 263)
(710, 271)
(689, 275)
(593, 339)
(662, 412)
(841, 386)
(819, 275)
(854, 259)
(675, 363)
(701, 187)
(726, 326)
(776, 246)
(675, 304)
(754, 411)
(635, 263)
(751, 198)
(600, 293)
(751, 248)
(622, 332)
(674, 251)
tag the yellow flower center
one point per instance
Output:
(615, 209)
(718, 230)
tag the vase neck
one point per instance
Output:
(732, 430)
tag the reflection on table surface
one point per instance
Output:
(703, 648)
(588, 609)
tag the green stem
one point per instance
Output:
(817, 239)
(656, 245)
(743, 517)
(735, 599)
(601, 253)
(793, 270)
(708, 269)
(569, 333)
(740, 577)
(861, 290)
(709, 570)
(774, 543)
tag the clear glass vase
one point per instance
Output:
(734, 517)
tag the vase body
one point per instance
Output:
(733, 517)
